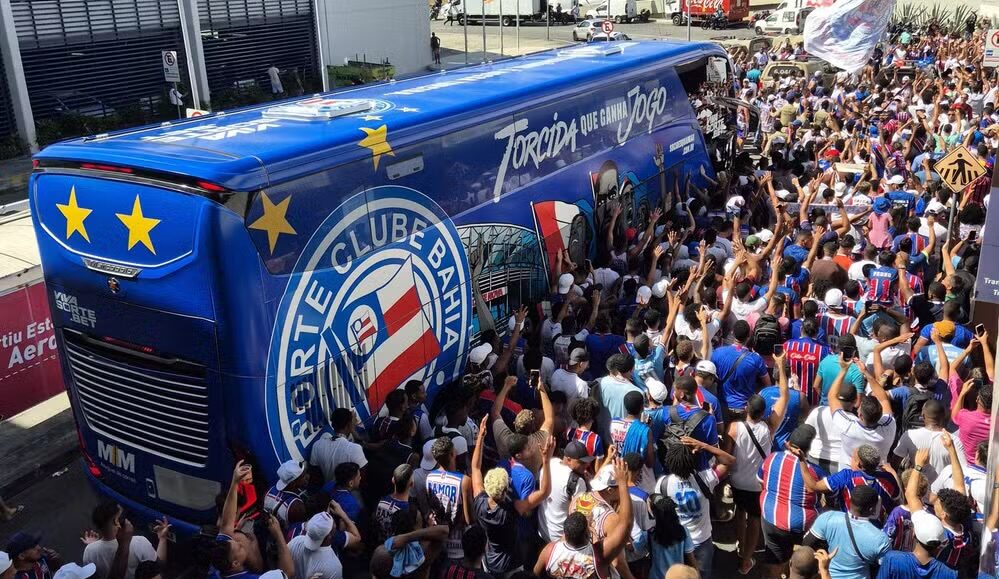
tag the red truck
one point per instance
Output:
(735, 10)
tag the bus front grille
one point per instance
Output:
(155, 406)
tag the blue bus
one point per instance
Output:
(219, 284)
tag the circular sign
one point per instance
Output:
(995, 38)
(607, 26)
(380, 295)
(169, 58)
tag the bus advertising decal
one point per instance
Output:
(351, 328)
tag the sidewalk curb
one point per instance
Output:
(29, 453)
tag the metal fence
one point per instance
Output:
(243, 38)
(8, 130)
(95, 58)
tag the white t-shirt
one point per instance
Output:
(101, 554)
(741, 310)
(694, 333)
(555, 509)
(571, 384)
(975, 479)
(888, 355)
(747, 458)
(826, 444)
(853, 434)
(692, 507)
(322, 561)
(329, 452)
(918, 438)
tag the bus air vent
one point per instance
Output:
(318, 109)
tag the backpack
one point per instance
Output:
(677, 429)
(912, 411)
(766, 334)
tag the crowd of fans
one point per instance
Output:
(788, 352)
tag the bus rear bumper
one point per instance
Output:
(141, 516)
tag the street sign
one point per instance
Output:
(171, 67)
(959, 169)
(607, 26)
(991, 48)
(191, 113)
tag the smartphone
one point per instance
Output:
(535, 379)
(848, 353)
(972, 235)
(980, 330)
(977, 382)
(778, 349)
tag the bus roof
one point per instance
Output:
(250, 148)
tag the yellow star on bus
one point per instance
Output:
(273, 221)
(139, 226)
(377, 142)
(75, 215)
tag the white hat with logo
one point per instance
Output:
(317, 529)
(288, 472)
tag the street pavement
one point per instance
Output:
(503, 40)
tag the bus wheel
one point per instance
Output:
(678, 20)
(759, 31)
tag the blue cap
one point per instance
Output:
(21, 542)
(881, 205)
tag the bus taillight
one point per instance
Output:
(209, 186)
(95, 471)
(129, 345)
(112, 168)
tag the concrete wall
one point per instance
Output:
(398, 30)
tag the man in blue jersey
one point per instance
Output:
(804, 355)
(882, 282)
(740, 371)
(688, 412)
(449, 494)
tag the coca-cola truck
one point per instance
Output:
(734, 10)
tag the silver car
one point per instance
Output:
(586, 29)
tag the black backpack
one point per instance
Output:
(766, 334)
(677, 429)
(912, 411)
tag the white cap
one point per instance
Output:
(783, 194)
(274, 574)
(604, 479)
(479, 353)
(5, 562)
(644, 295)
(928, 528)
(708, 367)
(288, 472)
(513, 323)
(765, 235)
(317, 529)
(839, 189)
(897, 180)
(735, 202)
(657, 390)
(659, 288)
(935, 206)
(834, 298)
(74, 571)
(565, 282)
(428, 462)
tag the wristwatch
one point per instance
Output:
(918, 468)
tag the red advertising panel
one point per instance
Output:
(29, 367)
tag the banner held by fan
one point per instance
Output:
(846, 33)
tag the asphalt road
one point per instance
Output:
(534, 37)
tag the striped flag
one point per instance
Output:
(385, 336)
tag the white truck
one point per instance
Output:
(509, 12)
(620, 11)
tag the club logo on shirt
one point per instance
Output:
(380, 295)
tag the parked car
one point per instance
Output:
(784, 21)
(586, 29)
(614, 36)
(778, 69)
